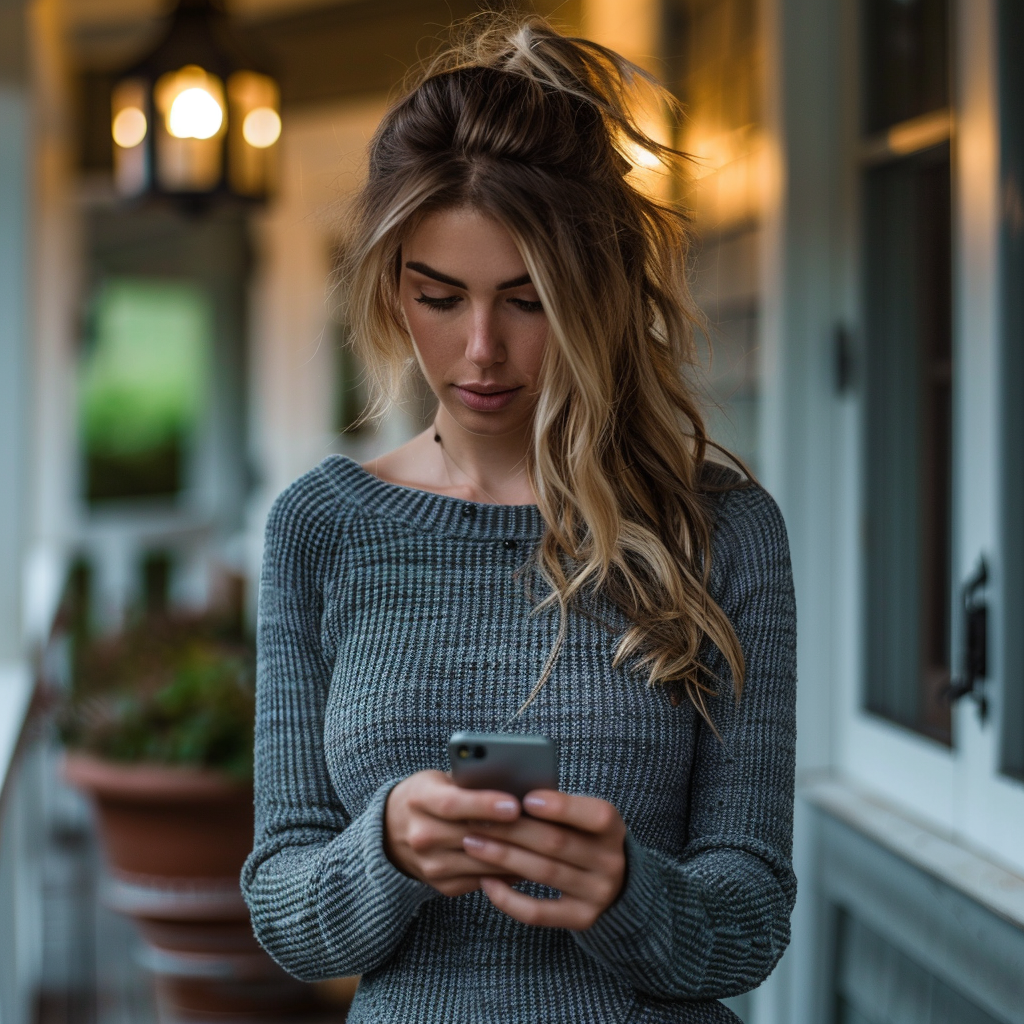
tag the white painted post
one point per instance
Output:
(14, 327)
(15, 957)
(801, 299)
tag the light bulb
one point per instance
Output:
(194, 114)
(261, 127)
(129, 127)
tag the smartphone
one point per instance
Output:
(509, 762)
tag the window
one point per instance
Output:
(143, 386)
(906, 229)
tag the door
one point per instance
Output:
(935, 598)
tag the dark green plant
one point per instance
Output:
(166, 690)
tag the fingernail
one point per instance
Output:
(473, 843)
(506, 806)
(536, 802)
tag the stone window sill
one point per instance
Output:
(945, 857)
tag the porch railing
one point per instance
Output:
(20, 840)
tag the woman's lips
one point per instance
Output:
(490, 401)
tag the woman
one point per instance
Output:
(555, 555)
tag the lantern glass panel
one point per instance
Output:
(129, 127)
(253, 132)
(189, 129)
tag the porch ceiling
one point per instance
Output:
(108, 33)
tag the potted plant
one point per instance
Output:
(158, 728)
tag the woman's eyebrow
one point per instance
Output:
(422, 268)
(516, 282)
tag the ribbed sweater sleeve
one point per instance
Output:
(324, 899)
(714, 921)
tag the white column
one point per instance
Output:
(632, 29)
(15, 202)
(798, 449)
(19, 882)
(52, 475)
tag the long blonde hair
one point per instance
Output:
(535, 129)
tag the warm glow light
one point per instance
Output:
(642, 157)
(919, 133)
(261, 127)
(129, 127)
(195, 114)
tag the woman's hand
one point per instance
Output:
(426, 818)
(575, 844)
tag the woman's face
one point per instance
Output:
(475, 318)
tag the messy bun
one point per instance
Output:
(540, 131)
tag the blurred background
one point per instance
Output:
(173, 185)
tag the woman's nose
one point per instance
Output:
(484, 346)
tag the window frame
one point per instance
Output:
(1011, 185)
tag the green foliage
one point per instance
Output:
(171, 691)
(144, 379)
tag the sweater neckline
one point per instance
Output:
(428, 510)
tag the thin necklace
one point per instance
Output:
(446, 457)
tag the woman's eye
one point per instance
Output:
(528, 306)
(447, 302)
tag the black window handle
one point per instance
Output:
(971, 682)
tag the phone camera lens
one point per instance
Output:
(463, 751)
(480, 752)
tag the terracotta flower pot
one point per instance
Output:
(175, 840)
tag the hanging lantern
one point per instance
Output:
(196, 118)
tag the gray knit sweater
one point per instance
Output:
(388, 619)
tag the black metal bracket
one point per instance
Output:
(845, 359)
(971, 682)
